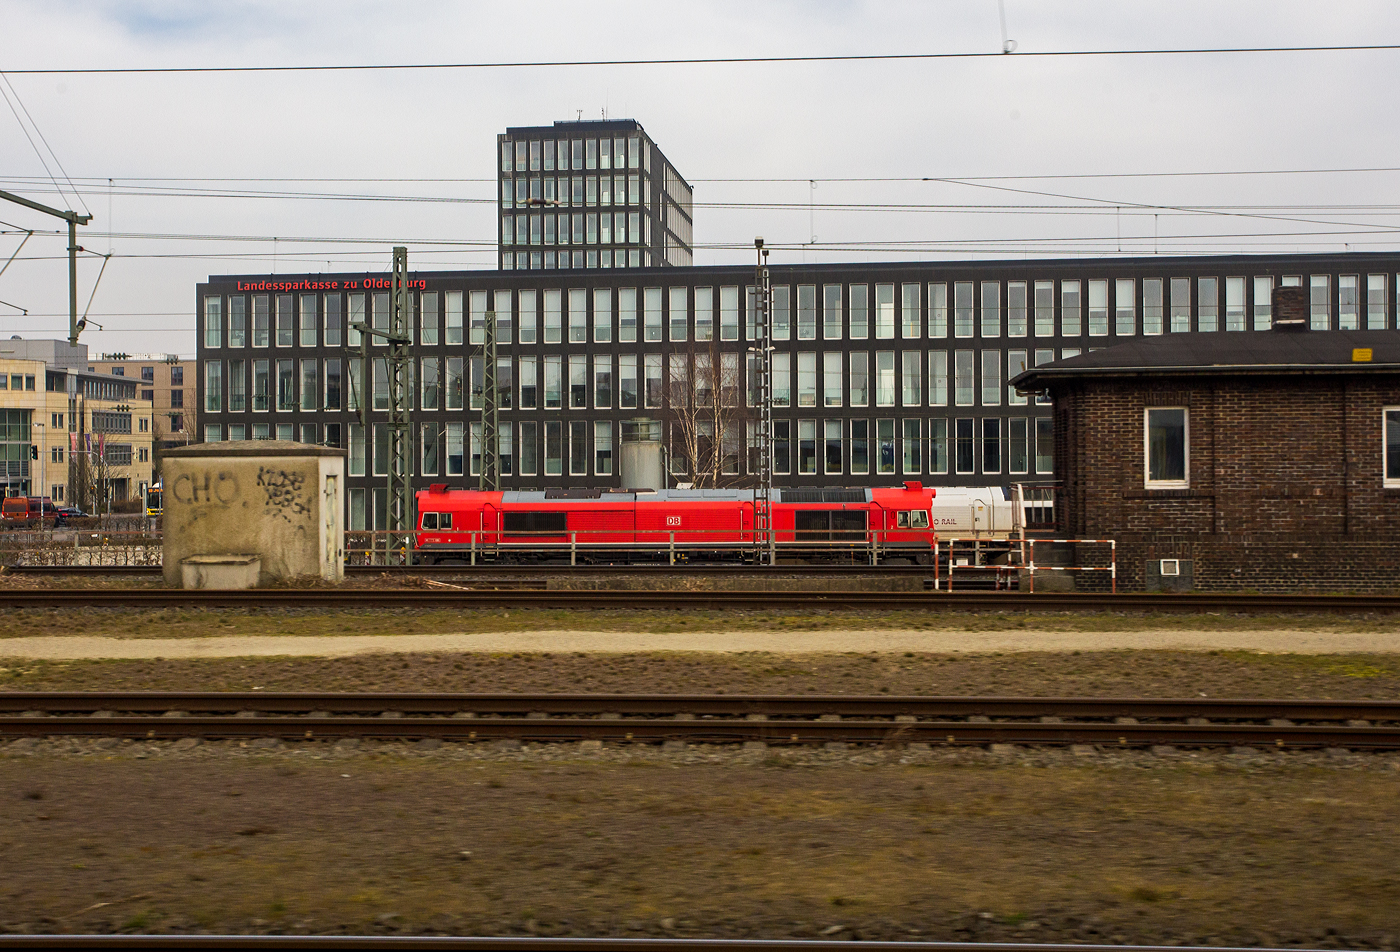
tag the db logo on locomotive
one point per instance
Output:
(673, 520)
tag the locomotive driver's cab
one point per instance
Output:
(911, 519)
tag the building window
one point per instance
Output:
(807, 447)
(1124, 308)
(1180, 305)
(237, 321)
(213, 387)
(911, 320)
(676, 302)
(807, 379)
(1016, 309)
(938, 445)
(884, 378)
(1044, 446)
(937, 310)
(782, 447)
(860, 378)
(602, 448)
(1348, 302)
(1392, 446)
(806, 312)
(884, 311)
(991, 378)
(1152, 310)
(1017, 446)
(964, 377)
(964, 450)
(1375, 302)
(1045, 309)
(962, 309)
(1320, 299)
(1234, 304)
(1015, 364)
(860, 447)
(912, 378)
(835, 464)
(831, 378)
(884, 439)
(782, 312)
(910, 443)
(938, 378)
(213, 322)
(286, 318)
(1207, 305)
(991, 308)
(704, 314)
(1071, 309)
(860, 311)
(1263, 302)
(991, 445)
(578, 448)
(1098, 308)
(831, 312)
(1166, 441)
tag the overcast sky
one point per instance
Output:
(810, 124)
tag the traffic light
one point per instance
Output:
(33, 451)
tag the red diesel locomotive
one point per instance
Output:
(610, 525)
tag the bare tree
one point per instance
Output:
(706, 414)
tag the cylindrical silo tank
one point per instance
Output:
(643, 465)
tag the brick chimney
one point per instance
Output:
(1290, 305)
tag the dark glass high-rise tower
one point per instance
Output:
(590, 194)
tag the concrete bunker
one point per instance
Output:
(273, 501)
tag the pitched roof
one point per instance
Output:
(1264, 352)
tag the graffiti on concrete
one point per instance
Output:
(285, 492)
(202, 489)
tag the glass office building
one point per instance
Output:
(881, 372)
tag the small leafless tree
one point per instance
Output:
(706, 414)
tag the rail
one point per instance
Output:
(331, 598)
(771, 719)
(295, 943)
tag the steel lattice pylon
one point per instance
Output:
(398, 503)
(765, 539)
(489, 476)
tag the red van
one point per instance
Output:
(26, 510)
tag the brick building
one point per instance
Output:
(1267, 463)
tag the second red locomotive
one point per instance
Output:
(607, 525)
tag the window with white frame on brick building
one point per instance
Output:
(1166, 447)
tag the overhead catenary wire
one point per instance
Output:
(5, 84)
(704, 60)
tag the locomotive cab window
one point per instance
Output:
(901, 519)
(437, 520)
(1166, 447)
(918, 519)
(430, 520)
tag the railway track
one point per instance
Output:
(454, 597)
(770, 719)
(539, 944)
